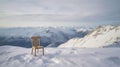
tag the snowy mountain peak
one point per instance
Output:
(101, 29)
(102, 36)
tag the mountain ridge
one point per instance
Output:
(102, 36)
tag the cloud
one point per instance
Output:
(60, 11)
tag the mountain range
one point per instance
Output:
(50, 36)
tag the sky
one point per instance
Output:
(34, 13)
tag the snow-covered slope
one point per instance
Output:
(58, 57)
(103, 36)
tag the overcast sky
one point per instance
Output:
(23, 13)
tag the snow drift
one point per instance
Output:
(11, 56)
(103, 36)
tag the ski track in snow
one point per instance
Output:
(60, 57)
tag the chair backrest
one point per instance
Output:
(35, 40)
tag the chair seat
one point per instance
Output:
(38, 47)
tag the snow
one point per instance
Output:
(103, 36)
(11, 56)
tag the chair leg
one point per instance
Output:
(43, 51)
(32, 51)
(35, 51)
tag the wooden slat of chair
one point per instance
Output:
(35, 45)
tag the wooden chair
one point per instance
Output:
(36, 45)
